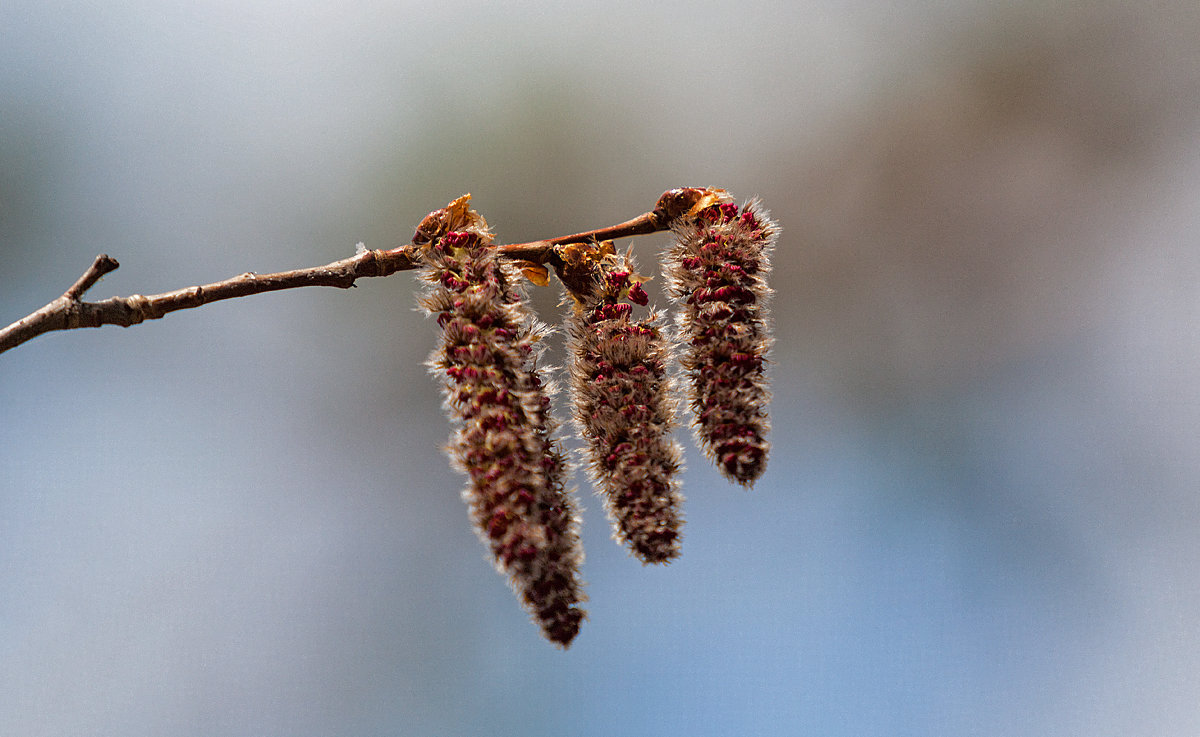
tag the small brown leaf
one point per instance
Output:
(457, 209)
(536, 273)
(709, 197)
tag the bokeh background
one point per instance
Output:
(982, 508)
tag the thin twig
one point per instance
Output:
(69, 311)
(101, 266)
(544, 252)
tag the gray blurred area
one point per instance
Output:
(982, 508)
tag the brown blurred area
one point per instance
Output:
(976, 210)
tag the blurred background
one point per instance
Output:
(981, 512)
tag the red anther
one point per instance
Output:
(721, 313)
(746, 359)
(730, 293)
(498, 523)
(458, 239)
(730, 461)
(453, 282)
(612, 311)
(638, 295)
(526, 552)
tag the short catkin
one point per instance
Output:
(621, 393)
(716, 273)
(504, 438)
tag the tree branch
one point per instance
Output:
(69, 312)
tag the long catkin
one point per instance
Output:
(504, 438)
(625, 411)
(716, 273)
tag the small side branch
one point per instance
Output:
(101, 266)
(69, 311)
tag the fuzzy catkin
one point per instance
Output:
(623, 406)
(716, 273)
(504, 439)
